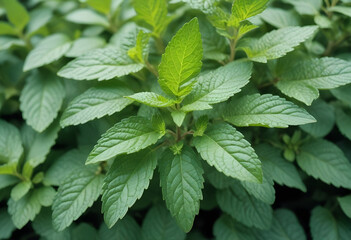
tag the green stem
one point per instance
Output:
(160, 45)
(233, 43)
(151, 68)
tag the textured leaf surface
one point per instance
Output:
(10, 143)
(244, 9)
(96, 102)
(101, 64)
(128, 136)
(325, 161)
(125, 229)
(84, 45)
(226, 228)
(277, 168)
(285, 226)
(262, 191)
(181, 182)
(280, 18)
(343, 121)
(125, 182)
(303, 79)
(243, 207)
(276, 43)
(345, 204)
(41, 99)
(325, 119)
(265, 110)
(181, 60)
(74, 196)
(159, 224)
(140, 51)
(217, 86)
(223, 147)
(151, 99)
(47, 51)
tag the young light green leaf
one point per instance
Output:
(87, 16)
(85, 44)
(16, 13)
(102, 6)
(226, 228)
(10, 143)
(266, 111)
(20, 190)
(154, 13)
(276, 43)
(101, 64)
(159, 225)
(244, 9)
(151, 99)
(244, 208)
(343, 121)
(96, 102)
(178, 117)
(277, 168)
(284, 226)
(303, 79)
(125, 182)
(38, 145)
(181, 182)
(345, 204)
(325, 161)
(324, 114)
(140, 51)
(181, 60)
(325, 226)
(47, 51)
(217, 86)
(128, 136)
(223, 147)
(74, 196)
(25, 209)
(41, 99)
(7, 29)
(125, 229)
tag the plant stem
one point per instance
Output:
(160, 45)
(179, 136)
(233, 43)
(151, 68)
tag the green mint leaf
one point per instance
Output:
(21, 189)
(201, 126)
(181, 60)
(277, 168)
(16, 13)
(7, 29)
(325, 161)
(7, 180)
(96, 102)
(343, 93)
(246, 209)
(41, 99)
(125, 229)
(125, 182)
(266, 111)
(159, 225)
(262, 191)
(87, 16)
(303, 79)
(310, 7)
(284, 226)
(101, 64)
(341, 9)
(217, 86)
(214, 45)
(140, 51)
(178, 117)
(38, 18)
(343, 121)
(276, 43)
(47, 51)
(325, 226)
(10, 143)
(38, 145)
(244, 9)
(151, 99)
(223, 147)
(74, 196)
(6, 225)
(128, 136)
(325, 119)
(83, 45)
(181, 182)
(226, 228)
(154, 13)
(280, 18)
(345, 204)
(25, 209)
(102, 6)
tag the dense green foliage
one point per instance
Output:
(175, 119)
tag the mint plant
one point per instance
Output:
(139, 119)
